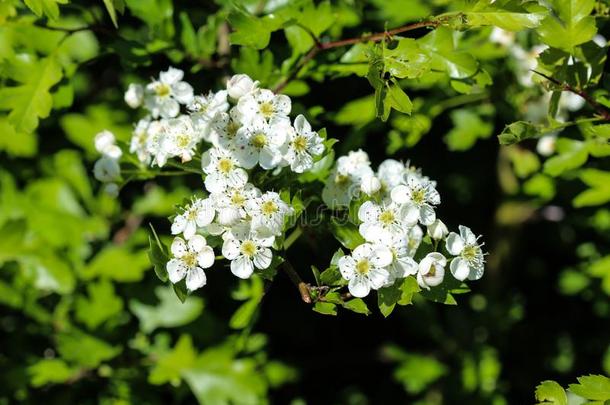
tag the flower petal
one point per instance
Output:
(206, 257)
(176, 270)
(178, 225)
(178, 247)
(369, 212)
(459, 268)
(359, 286)
(196, 243)
(378, 277)
(401, 194)
(347, 267)
(262, 259)
(195, 278)
(454, 244)
(381, 256)
(230, 248)
(242, 267)
(427, 216)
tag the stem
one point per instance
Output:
(296, 280)
(322, 46)
(601, 110)
(293, 237)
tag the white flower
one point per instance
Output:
(105, 143)
(502, 37)
(231, 203)
(403, 264)
(139, 139)
(111, 189)
(364, 269)
(180, 138)
(164, 96)
(246, 250)
(370, 184)
(240, 85)
(546, 144)
(156, 133)
(196, 215)
(382, 222)
(391, 173)
(263, 106)
(431, 270)
(355, 163)
(106, 169)
(303, 143)
(203, 110)
(420, 196)
(190, 258)
(437, 230)
(470, 262)
(268, 212)
(134, 96)
(261, 143)
(344, 182)
(222, 170)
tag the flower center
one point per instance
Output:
(191, 214)
(418, 196)
(300, 144)
(267, 109)
(162, 90)
(269, 208)
(225, 165)
(363, 267)
(190, 259)
(232, 128)
(341, 180)
(470, 252)
(259, 141)
(182, 140)
(432, 271)
(248, 248)
(387, 218)
(237, 199)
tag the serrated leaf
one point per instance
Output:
(325, 308)
(49, 8)
(357, 305)
(572, 24)
(593, 387)
(31, 99)
(549, 392)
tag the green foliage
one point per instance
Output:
(168, 313)
(592, 389)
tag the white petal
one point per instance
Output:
(378, 277)
(359, 286)
(369, 212)
(214, 183)
(433, 196)
(182, 92)
(237, 178)
(347, 267)
(176, 270)
(405, 266)
(171, 76)
(427, 216)
(454, 244)
(468, 237)
(262, 259)
(409, 214)
(205, 213)
(190, 229)
(169, 108)
(363, 251)
(242, 267)
(401, 194)
(381, 256)
(459, 268)
(269, 158)
(178, 247)
(196, 243)
(206, 257)
(195, 278)
(178, 225)
(230, 248)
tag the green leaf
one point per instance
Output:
(357, 305)
(112, 6)
(358, 112)
(415, 372)
(509, 16)
(593, 387)
(157, 254)
(49, 8)
(50, 371)
(346, 233)
(168, 313)
(398, 99)
(540, 185)
(441, 47)
(572, 155)
(118, 263)
(549, 392)
(571, 25)
(247, 311)
(31, 98)
(407, 59)
(468, 127)
(249, 30)
(85, 350)
(325, 308)
(599, 193)
(102, 304)
(170, 366)
(401, 292)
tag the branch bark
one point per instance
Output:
(297, 281)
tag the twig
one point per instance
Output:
(296, 280)
(601, 110)
(322, 46)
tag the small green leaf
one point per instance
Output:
(357, 305)
(593, 387)
(549, 392)
(325, 308)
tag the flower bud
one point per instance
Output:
(240, 85)
(546, 145)
(112, 189)
(106, 170)
(437, 230)
(105, 144)
(370, 184)
(134, 96)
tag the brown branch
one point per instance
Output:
(600, 109)
(296, 280)
(322, 46)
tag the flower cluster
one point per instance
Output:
(395, 203)
(233, 131)
(107, 168)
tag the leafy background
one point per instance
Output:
(83, 319)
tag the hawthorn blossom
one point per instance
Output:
(437, 230)
(263, 106)
(180, 138)
(420, 196)
(365, 269)
(345, 180)
(414, 237)
(303, 144)
(164, 96)
(431, 270)
(203, 110)
(105, 143)
(134, 96)
(402, 264)
(267, 213)
(470, 260)
(382, 222)
(223, 129)
(222, 170)
(190, 258)
(139, 139)
(199, 213)
(240, 85)
(106, 169)
(391, 173)
(246, 250)
(261, 143)
(231, 203)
